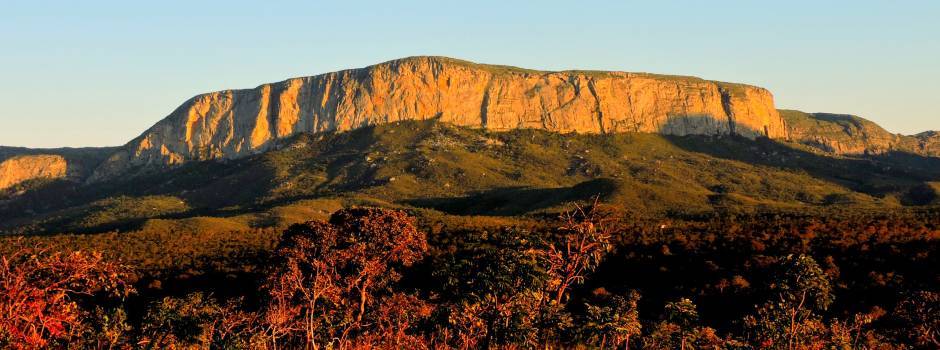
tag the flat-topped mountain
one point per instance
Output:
(233, 123)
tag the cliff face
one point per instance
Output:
(852, 135)
(235, 123)
(28, 167)
(927, 143)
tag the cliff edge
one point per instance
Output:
(234, 123)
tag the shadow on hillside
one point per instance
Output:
(205, 186)
(903, 174)
(511, 201)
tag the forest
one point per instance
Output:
(595, 276)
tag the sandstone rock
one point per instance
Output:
(28, 167)
(853, 135)
(927, 143)
(235, 123)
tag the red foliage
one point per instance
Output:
(585, 238)
(39, 295)
(333, 279)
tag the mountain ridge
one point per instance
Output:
(430, 165)
(233, 123)
(854, 135)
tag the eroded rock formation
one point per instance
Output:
(29, 167)
(234, 123)
(853, 135)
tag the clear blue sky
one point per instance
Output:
(94, 73)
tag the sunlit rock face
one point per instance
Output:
(29, 167)
(927, 143)
(235, 123)
(852, 135)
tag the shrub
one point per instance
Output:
(332, 281)
(41, 295)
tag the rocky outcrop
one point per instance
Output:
(22, 168)
(927, 143)
(235, 123)
(853, 135)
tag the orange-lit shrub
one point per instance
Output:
(41, 294)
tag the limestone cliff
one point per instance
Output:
(22, 168)
(853, 135)
(235, 123)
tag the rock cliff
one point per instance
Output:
(235, 123)
(22, 168)
(853, 135)
(926, 143)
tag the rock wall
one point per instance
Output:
(23, 168)
(927, 143)
(852, 135)
(234, 123)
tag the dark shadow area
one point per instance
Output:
(724, 262)
(513, 201)
(876, 175)
(81, 162)
(209, 188)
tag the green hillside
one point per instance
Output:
(460, 171)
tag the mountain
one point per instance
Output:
(22, 168)
(19, 165)
(234, 123)
(436, 166)
(449, 136)
(849, 134)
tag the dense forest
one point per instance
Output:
(594, 277)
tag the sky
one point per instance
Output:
(99, 73)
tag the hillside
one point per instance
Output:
(24, 168)
(849, 134)
(468, 171)
(235, 124)
(461, 138)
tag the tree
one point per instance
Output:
(850, 334)
(496, 289)
(681, 329)
(919, 312)
(41, 292)
(329, 279)
(790, 319)
(196, 321)
(584, 240)
(616, 319)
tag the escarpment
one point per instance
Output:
(22, 168)
(235, 123)
(853, 135)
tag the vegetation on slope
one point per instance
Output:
(472, 172)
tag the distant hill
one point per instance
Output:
(20, 165)
(849, 134)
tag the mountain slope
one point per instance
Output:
(235, 123)
(849, 134)
(20, 166)
(470, 171)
